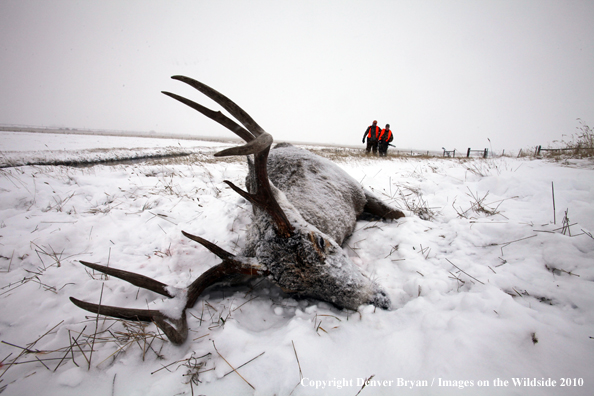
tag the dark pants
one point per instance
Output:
(383, 149)
(371, 145)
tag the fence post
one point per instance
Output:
(454, 153)
(468, 152)
(486, 153)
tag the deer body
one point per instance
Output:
(322, 202)
(305, 207)
(325, 195)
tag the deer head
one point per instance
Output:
(282, 245)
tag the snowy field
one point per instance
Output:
(490, 296)
(25, 148)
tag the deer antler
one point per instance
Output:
(226, 103)
(258, 143)
(176, 329)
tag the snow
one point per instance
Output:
(486, 289)
(34, 148)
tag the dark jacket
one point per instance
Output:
(369, 133)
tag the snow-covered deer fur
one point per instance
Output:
(305, 206)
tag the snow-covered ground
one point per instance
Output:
(489, 295)
(26, 148)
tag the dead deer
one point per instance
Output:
(304, 208)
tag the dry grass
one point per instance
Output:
(110, 338)
(577, 145)
(479, 206)
(412, 200)
(81, 345)
(345, 154)
(53, 258)
(580, 144)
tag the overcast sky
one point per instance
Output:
(443, 73)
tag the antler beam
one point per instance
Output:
(175, 329)
(258, 143)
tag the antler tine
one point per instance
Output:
(216, 116)
(231, 265)
(136, 279)
(226, 103)
(264, 197)
(256, 141)
(175, 329)
(257, 145)
(221, 253)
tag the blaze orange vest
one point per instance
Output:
(376, 131)
(387, 139)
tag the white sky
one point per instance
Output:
(441, 73)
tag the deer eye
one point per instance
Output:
(322, 243)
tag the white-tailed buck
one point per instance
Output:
(304, 207)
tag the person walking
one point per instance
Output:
(384, 139)
(372, 134)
